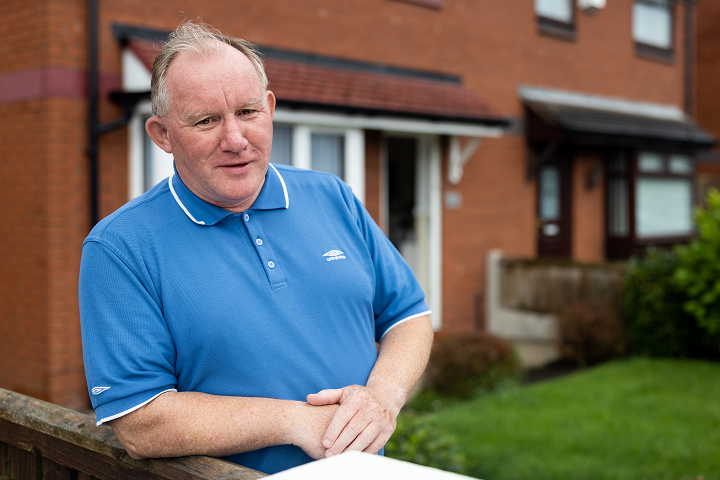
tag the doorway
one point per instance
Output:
(413, 209)
(554, 207)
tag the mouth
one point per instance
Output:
(235, 166)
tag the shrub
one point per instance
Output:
(418, 439)
(698, 271)
(654, 315)
(590, 333)
(460, 365)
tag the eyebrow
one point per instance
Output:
(194, 117)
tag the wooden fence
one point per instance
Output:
(39, 440)
(550, 286)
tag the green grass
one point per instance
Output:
(630, 420)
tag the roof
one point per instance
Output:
(570, 116)
(316, 82)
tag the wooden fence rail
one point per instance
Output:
(39, 440)
(550, 286)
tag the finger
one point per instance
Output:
(325, 397)
(379, 442)
(352, 429)
(339, 423)
(362, 440)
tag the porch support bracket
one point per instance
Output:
(459, 156)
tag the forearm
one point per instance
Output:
(403, 356)
(191, 423)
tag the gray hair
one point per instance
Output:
(200, 39)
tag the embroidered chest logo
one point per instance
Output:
(99, 390)
(334, 255)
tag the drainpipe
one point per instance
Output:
(95, 129)
(689, 55)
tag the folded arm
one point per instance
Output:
(367, 415)
(191, 423)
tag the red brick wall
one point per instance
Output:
(707, 93)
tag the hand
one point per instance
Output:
(361, 423)
(310, 426)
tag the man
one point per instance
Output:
(233, 309)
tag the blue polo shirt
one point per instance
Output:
(283, 300)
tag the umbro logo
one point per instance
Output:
(99, 390)
(334, 255)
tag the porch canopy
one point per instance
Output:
(328, 84)
(556, 116)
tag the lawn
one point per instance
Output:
(628, 420)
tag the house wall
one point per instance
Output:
(707, 70)
(494, 46)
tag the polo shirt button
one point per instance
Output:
(271, 264)
(247, 217)
(259, 241)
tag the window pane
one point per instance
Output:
(327, 153)
(680, 164)
(618, 221)
(560, 10)
(652, 23)
(282, 152)
(650, 162)
(550, 193)
(664, 207)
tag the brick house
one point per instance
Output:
(546, 127)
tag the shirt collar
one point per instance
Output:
(272, 196)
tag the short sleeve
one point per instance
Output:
(398, 295)
(128, 352)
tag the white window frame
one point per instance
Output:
(353, 155)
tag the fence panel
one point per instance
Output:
(550, 286)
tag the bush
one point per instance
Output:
(698, 272)
(590, 333)
(417, 439)
(654, 315)
(460, 365)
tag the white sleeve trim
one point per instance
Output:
(118, 415)
(422, 314)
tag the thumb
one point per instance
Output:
(325, 397)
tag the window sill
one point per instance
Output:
(654, 53)
(556, 29)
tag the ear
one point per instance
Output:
(271, 102)
(157, 131)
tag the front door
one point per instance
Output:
(554, 200)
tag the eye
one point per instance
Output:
(245, 112)
(205, 121)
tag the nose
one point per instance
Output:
(233, 136)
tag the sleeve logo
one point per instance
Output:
(99, 390)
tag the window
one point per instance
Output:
(649, 200)
(663, 195)
(652, 28)
(334, 150)
(556, 17)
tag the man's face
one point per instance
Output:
(219, 127)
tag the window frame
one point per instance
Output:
(653, 52)
(557, 28)
(353, 154)
(623, 246)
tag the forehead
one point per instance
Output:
(223, 76)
